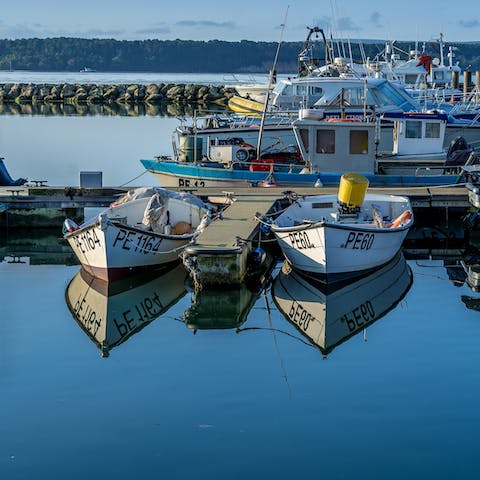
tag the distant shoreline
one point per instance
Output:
(136, 56)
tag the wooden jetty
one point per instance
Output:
(219, 255)
(42, 206)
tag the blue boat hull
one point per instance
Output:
(189, 175)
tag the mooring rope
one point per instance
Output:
(135, 178)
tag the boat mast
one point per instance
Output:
(270, 83)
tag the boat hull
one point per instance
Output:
(331, 250)
(118, 250)
(188, 175)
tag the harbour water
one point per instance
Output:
(228, 384)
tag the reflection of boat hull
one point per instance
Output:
(111, 312)
(328, 319)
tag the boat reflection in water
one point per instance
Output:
(329, 317)
(112, 312)
(215, 309)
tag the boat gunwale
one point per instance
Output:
(349, 226)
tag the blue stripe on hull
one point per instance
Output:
(189, 170)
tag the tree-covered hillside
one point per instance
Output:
(215, 56)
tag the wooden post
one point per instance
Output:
(455, 79)
(467, 83)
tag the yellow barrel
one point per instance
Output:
(352, 189)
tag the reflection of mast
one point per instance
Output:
(282, 366)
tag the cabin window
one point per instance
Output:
(359, 142)
(304, 138)
(432, 130)
(301, 90)
(413, 129)
(410, 79)
(439, 75)
(316, 90)
(325, 141)
(354, 96)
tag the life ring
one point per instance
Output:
(241, 155)
(262, 165)
(343, 120)
(401, 219)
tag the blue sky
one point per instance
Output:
(241, 19)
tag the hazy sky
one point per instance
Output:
(241, 19)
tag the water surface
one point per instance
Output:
(198, 400)
(223, 385)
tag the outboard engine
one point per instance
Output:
(458, 152)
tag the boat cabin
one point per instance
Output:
(336, 145)
(347, 144)
(418, 133)
(324, 92)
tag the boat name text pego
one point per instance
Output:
(300, 240)
(300, 316)
(359, 317)
(359, 241)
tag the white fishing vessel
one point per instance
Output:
(328, 147)
(145, 229)
(331, 236)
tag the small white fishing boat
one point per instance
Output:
(146, 228)
(330, 236)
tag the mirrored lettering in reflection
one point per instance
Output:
(112, 312)
(329, 316)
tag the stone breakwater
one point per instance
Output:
(99, 94)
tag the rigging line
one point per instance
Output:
(138, 176)
(284, 332)
(282, 366)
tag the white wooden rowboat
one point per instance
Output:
(316, 237)
(146, 229)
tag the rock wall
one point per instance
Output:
(134, 94)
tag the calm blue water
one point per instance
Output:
(260, 402)
(180, 402)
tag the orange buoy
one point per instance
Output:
(181, 228)
(402, 218)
